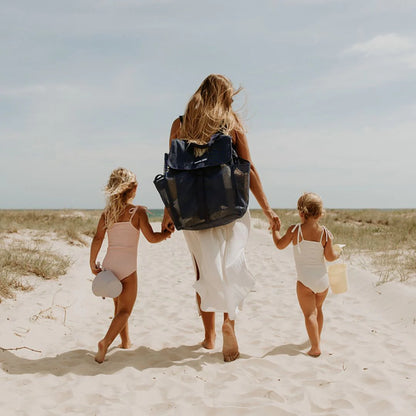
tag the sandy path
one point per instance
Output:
(368, 365)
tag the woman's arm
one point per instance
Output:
(256, 187)
(142, 221)
(96, 244)
(167, 223)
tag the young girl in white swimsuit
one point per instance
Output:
(123, 222)
(312, 244)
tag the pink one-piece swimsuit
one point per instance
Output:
(123, 240)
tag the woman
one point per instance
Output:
(223, 279)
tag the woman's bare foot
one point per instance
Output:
(209, 342)
(102, 350)
(230, 345)
(314, 352)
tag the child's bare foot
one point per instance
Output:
(125, 345)
(102, 350)
(209, 342)
(230, 345)
(314, 352)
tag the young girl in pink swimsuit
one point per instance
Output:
(312, 244)
(123, 222)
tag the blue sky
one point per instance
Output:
(329, 96)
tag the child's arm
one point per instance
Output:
(96, 244)
(283, 242)
(329, 252)
(146, 228)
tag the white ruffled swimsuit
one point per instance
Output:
(310, 261)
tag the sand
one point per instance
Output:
(368, 364)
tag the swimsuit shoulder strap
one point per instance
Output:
(327, 234)
(299, 228)
(132, 211)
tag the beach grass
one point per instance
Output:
(71, 225)
(23, 259)
(18, 260)
(9, 282)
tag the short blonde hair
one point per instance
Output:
(310, 205)
(118, 190)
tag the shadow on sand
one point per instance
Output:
(82, 362)
(288, 349)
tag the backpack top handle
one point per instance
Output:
(182, 156)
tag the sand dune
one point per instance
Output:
(368, 365)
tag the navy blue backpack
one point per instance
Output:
(204, 191)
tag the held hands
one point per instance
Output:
(166, 233)
(167, 224)
(169, 227)
(275, 226)
(274, 220)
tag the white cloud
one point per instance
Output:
(382, 45)
(379, 61)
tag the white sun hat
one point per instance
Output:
(106, 285)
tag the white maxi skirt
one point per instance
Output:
(219, 254)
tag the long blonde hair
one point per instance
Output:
(118, 191)
(310, 205)
(209, 110)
